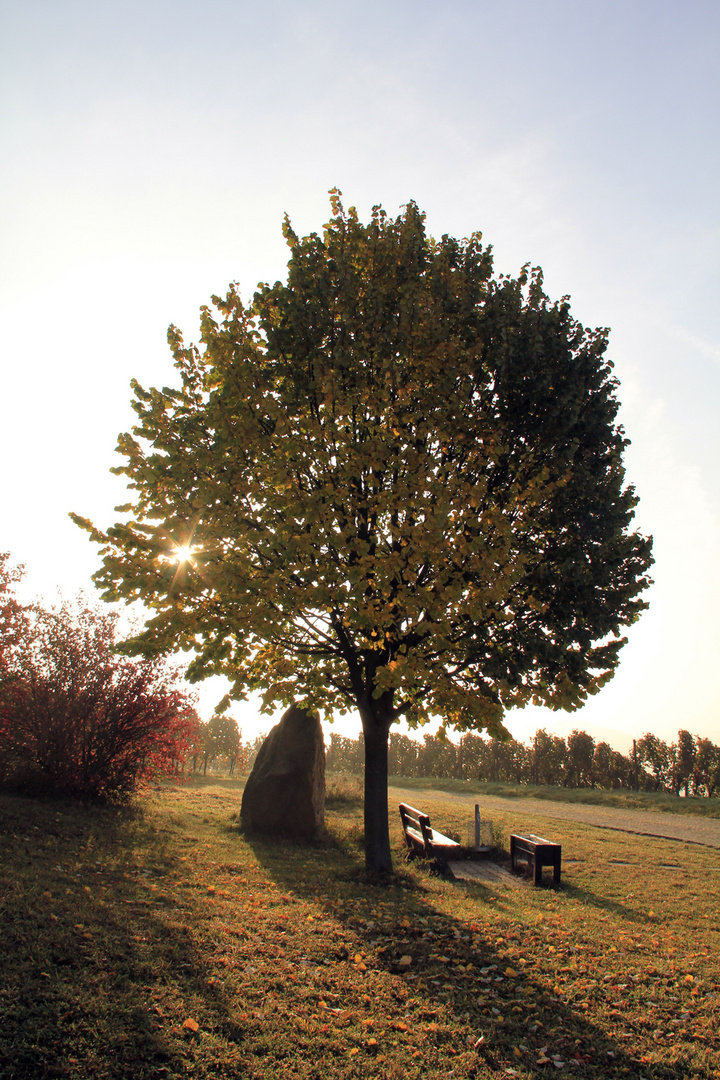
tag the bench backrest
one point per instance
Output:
(417, 821)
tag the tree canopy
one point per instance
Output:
(393, 483)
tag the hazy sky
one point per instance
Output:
(149, 151)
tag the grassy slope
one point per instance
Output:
(119, 926)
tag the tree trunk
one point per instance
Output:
(376, 729)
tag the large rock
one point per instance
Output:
(285, 792)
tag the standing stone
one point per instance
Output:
(285, 792)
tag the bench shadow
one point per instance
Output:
(603, 903)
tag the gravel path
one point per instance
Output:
(692, 828)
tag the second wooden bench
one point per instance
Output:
(537, 852)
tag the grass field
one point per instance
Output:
(159, 942)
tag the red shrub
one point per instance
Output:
(78, 720)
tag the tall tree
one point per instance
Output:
(655, 754)
(398, 483)
(706, 776)
(222, 740)
(581, 751)
(684, 762)
(549, 756)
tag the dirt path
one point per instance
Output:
(691, 828)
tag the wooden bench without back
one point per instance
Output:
(536, 852)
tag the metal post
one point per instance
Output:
(477, 825)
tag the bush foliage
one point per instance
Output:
(77, 719)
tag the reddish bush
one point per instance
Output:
(13, 618)
(78, 720)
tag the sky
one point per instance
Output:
(150, 150)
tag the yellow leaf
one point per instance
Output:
(191, 1025)
(511, 973)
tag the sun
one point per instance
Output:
(182, 553)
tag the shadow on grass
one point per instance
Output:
(458, 971)
(606, 904)
(93, 959)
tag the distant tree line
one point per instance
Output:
(691, 765)
(217, 745)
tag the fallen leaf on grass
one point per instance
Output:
(191, 1025)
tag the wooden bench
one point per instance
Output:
(537, 852)
(422, 839)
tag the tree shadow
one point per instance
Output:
(507, 1019)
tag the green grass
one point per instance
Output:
(659, 802)
(121, 925)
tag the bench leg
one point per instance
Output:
(538, 868)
